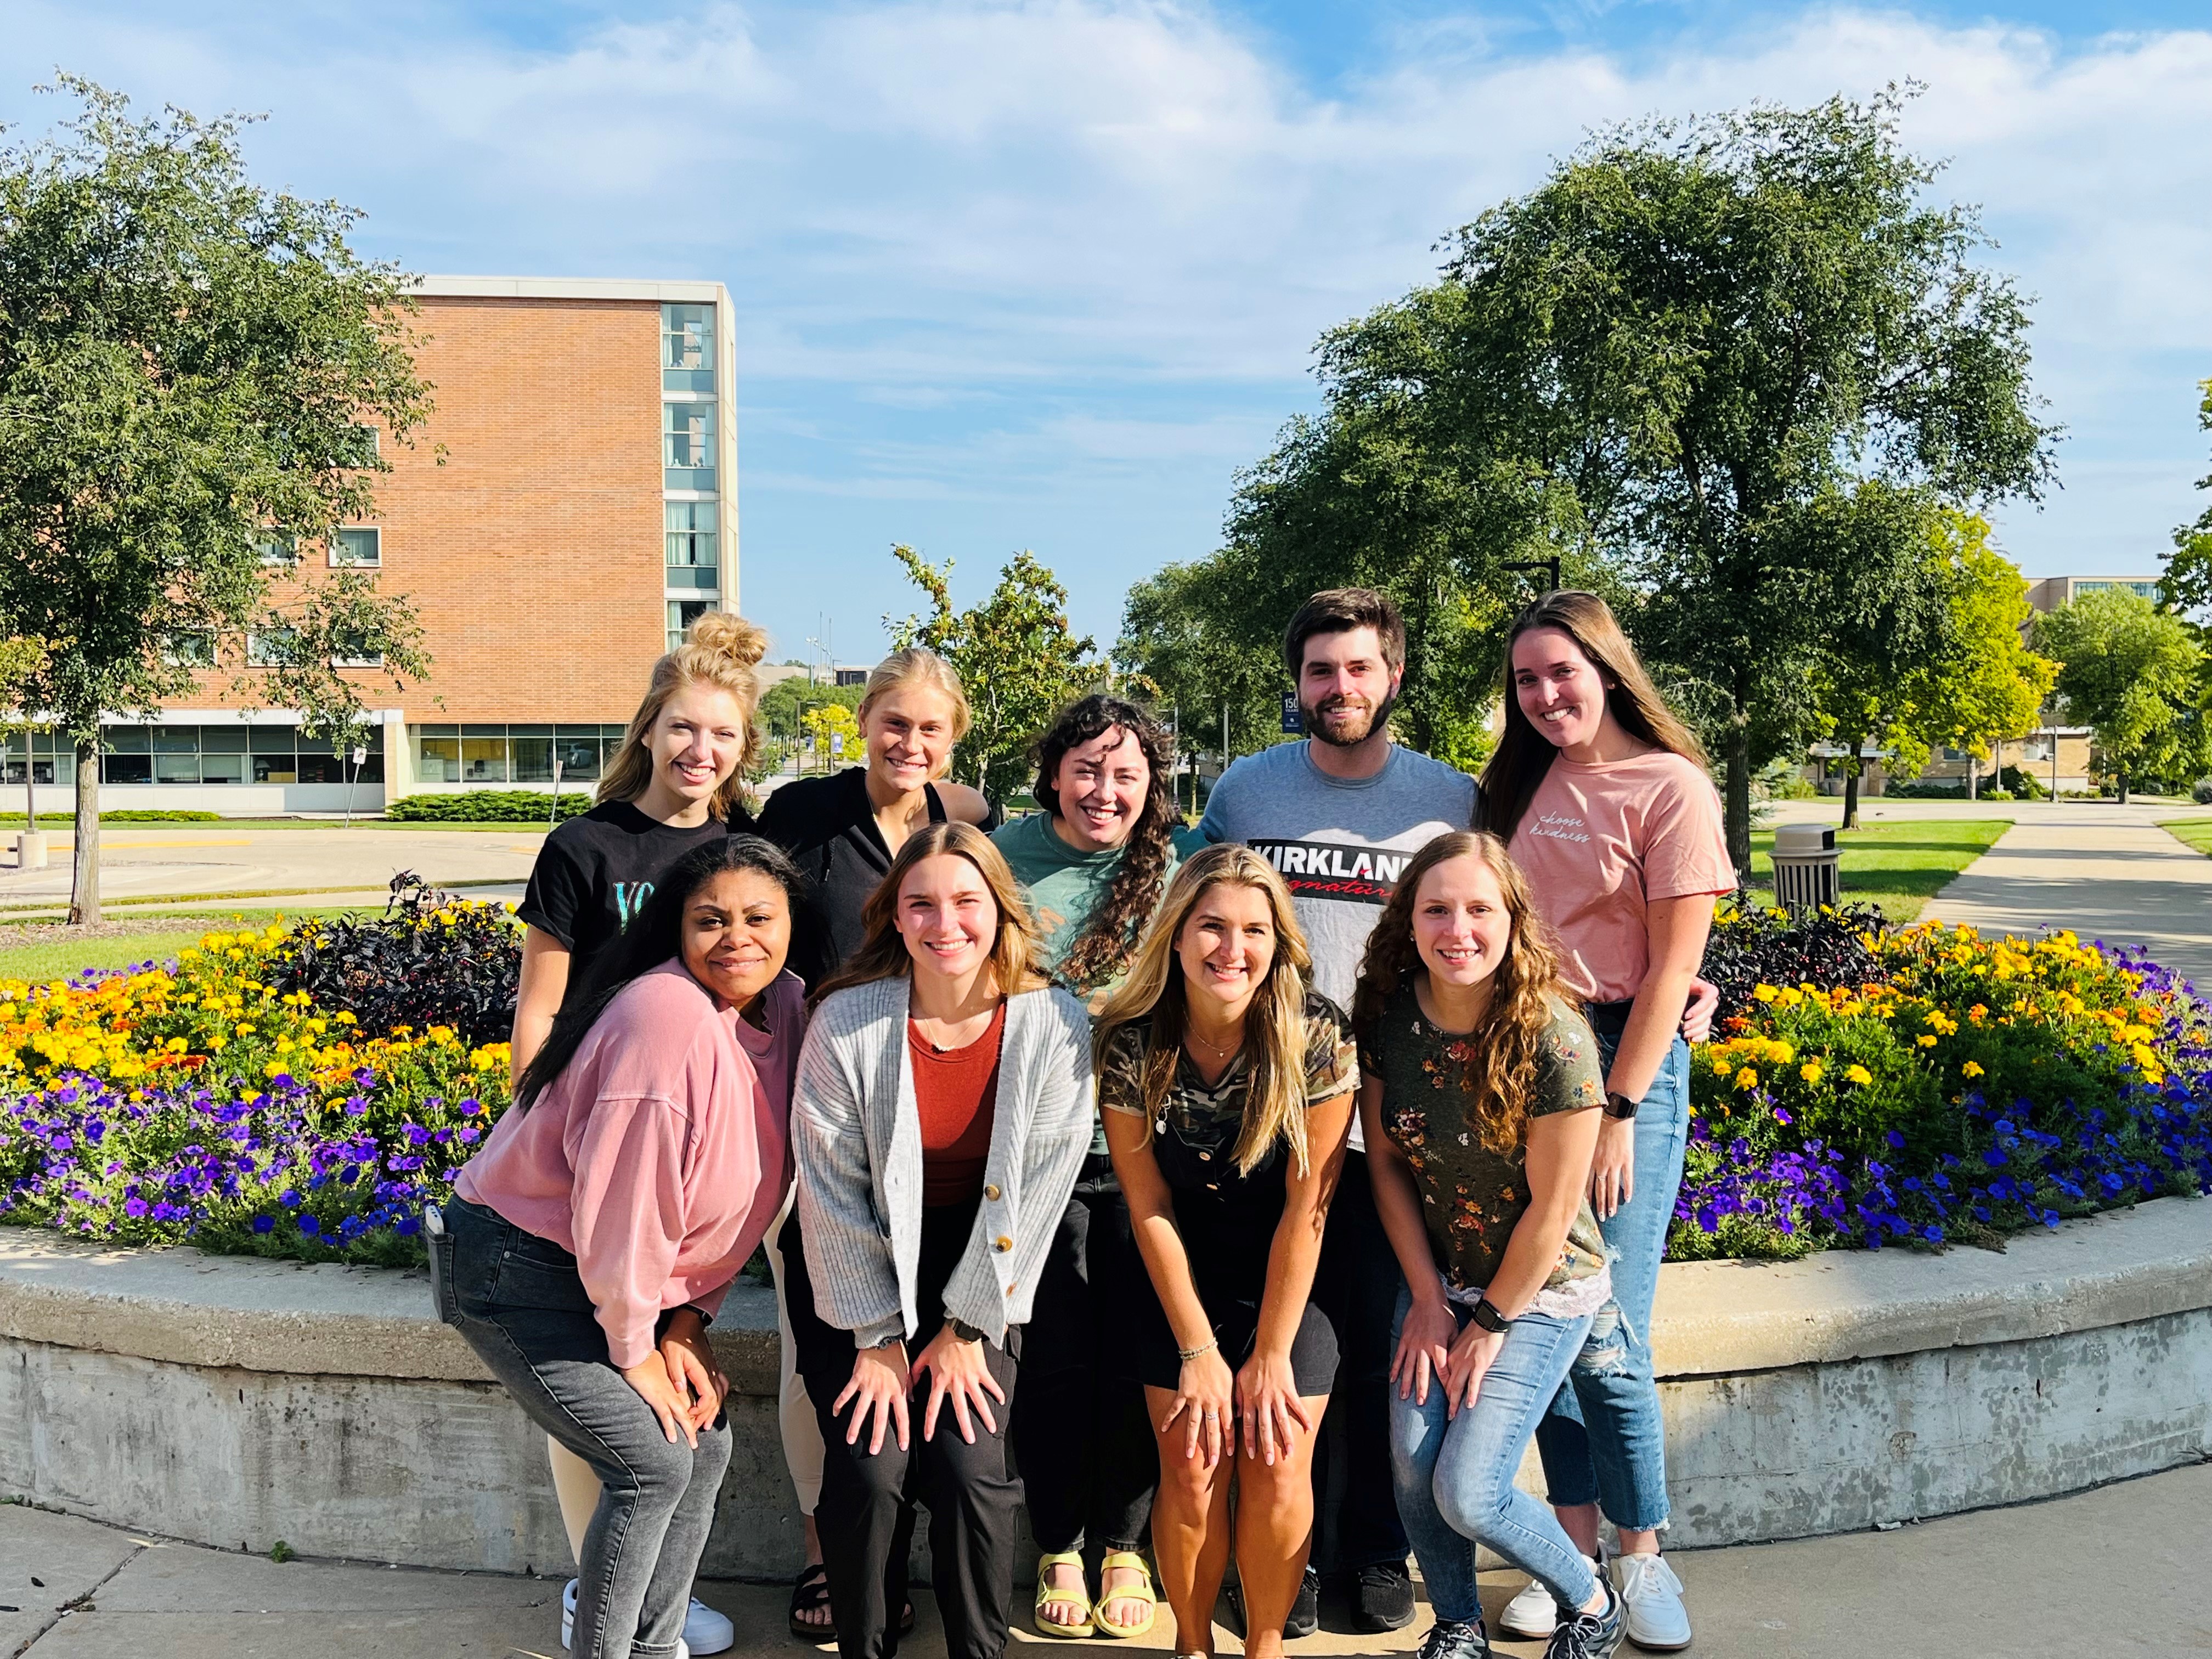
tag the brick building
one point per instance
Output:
(569, 505)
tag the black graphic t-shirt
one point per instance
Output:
(595, 872)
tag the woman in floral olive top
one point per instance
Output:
(1480, 1091)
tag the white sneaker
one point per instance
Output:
(1532, 1614)
(705, 1631)
(1653, 1597)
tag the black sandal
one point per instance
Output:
(812, 1591)
(809, 1593)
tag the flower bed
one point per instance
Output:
(209, 1101)
(1934, 1087)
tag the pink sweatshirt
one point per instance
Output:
(660, 1156)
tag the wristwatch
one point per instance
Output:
(1619, 1108)
(1485, 1315)
(963, 1330)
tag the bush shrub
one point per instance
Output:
(130, 815)
(2201, 792)
(488, 806)
(430, 959)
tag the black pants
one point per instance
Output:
(1087, 1458)
(1356, 1285)
(865, 1518)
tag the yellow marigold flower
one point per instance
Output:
(1925, 1040)
(345, 1019)
(246, 1028)
(1764, 993)
(1747, 1078)
(1857, 1074)
(1720, 1067)
(1971, 1068)
(1810, 1071)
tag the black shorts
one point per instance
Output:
(1157, 1357)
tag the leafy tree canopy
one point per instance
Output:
(193, 372)
(2128, 671)
(2187, 585)
(1015, 655)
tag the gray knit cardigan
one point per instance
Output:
(856, 1130)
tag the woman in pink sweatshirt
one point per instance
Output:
(590, 1241)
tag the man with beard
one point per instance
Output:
(1340, 815)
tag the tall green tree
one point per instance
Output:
(1673, 358)
(2128, 671)
(1183, 638)
(2187, 585)
(192, 372)
(1016, 656)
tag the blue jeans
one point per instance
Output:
(1455, 1476)
(1618, 1460)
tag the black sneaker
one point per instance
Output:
(1382, 1596)
(1305, 1612)
(1589, 1635)
(1448, 1638)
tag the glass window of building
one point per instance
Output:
(687, 347)
(688, 445)
(681, 613)
(530, 751)
(272, 649)
(189, 650)
(357, 549)
(438, 753)
(277, 550)
(692, 557)
(483, 754)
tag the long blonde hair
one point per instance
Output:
(718, 649)
(917, 667)
(1498, 1072)
(1524, 754)
(1274, 1021)
(882, 952)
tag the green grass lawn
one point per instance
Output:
(40, 952)
(1899, 867)
(2193, 832)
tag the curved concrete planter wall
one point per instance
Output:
(236, 1402)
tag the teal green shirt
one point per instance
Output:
(1066, 886)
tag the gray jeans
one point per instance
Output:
(517, 1300)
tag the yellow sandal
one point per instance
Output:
(1046, 1594)
(1135, 1562)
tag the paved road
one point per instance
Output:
(163, 861)
(2118, 1570)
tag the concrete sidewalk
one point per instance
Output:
(2115, 1571)
(2126, 883)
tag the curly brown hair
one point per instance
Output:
(1100, 953)
(1499, 1069)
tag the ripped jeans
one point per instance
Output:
(1618, 1460)
(1454, 1475)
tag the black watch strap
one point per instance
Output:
(1487, 1316)
(1619, 1108)
(963, 1330)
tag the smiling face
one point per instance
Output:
(736, 932)
(1461, 927)
(909, 730)
(1346, 687)
(1227, 945)
(695, 740)
(1559, 690)
(1101, 786)
(947, 916)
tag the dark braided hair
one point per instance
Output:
(1101, 952)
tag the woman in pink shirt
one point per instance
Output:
(1603, 796)
(592, 1239)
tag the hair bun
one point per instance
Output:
(728, 634)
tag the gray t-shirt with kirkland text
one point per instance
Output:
(1339, 843)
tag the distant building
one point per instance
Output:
(2051, 592)
(569, 508)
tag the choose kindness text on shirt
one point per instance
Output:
(1559, 826)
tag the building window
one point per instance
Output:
(691, 545)
(277, 550)
(492, 754)
(688, 445)
(681, 613)
(687, 347)
(45, 757)
(218, 755)
(358, 549)
(189, 650)
(274, 649)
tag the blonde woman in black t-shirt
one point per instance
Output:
(675, 784)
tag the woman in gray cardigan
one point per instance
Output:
(941, 1111)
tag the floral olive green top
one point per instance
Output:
(1473, 1198)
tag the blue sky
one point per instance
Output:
(1046, 275)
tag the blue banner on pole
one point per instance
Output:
(1293, 722)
